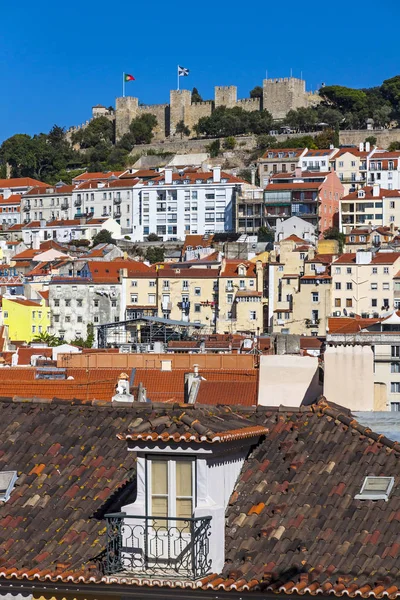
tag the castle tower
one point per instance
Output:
(225, 95)
(282, 95)
(180, 102)
(126, 109)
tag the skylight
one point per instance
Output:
(7, 480)
(376, 488)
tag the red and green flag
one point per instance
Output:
(128, 77)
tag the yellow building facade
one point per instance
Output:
(25, 319)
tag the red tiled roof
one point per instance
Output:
(380, 258)
(228, 393)
(294, 238)
(198, 175)
(64, 389)
(275, 151)
(47, 190)
(24, 302)
(21, 182)
(231, 268)
(13, 199)
(98, 175)
(115, 183)
(197, 240)
(292, 185)
(369, 195)
(25, 355)
(349, 324)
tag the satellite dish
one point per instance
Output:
(345, 312)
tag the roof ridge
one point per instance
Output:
(345, 416)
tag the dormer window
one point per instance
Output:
(270, 155)
(280, 155)
(361, 194)
(185, 461)
(242, 270)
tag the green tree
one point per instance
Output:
(182, 129)
(48, 339)
(225, 122)
(18, 151)
(229, 143)
(142, 128)
(333, 233)
(390, 90)
(256, 92)
(155, 254)
(99, 130)
(344, 98)
(214, 148)
(371, 139)
(103, 237)
(302, 119)
(85, 342)
(265, 141)
(265, 235)
(153, 237)
(196, 96)
(394, 146)
(382, 116)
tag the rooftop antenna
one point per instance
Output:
(291, 72)
(301, 74)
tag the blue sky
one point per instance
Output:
(57, 59)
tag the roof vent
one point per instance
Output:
(7, 480)
(376, 488)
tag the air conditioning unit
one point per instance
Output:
(337, 313)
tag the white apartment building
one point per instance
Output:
(68, 230)
(108, 199)
(47, 203)
(384, 169)
(174, 205)
(10, 208)
(364, 284)
(370, 205)
(317, 160)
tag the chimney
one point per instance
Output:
(42, 223)
(363, 258)
(192, 385)
(216, 174)
(35, 241)
(297, 172)
(6, 194)
(82, 221)
(361, 146)
(168, 175)
(367, 147)
(311, 253)
(122, 390)
(253, 175)
(141, 393)
(376, 188)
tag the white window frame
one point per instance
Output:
(171, 482)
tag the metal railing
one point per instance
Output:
(117, 200)
(177, 547)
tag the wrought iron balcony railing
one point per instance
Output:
(177, 547)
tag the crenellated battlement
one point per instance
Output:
(279, 96)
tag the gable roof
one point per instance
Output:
(17, 182)
(293, 524)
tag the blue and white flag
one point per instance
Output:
(182, 72)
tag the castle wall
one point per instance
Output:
(225, 95)
(249, 104)
(126, 109)
(196, 111)
(180, 104)
(161, 112)
(282, 95)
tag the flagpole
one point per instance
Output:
(177, 70)
(123, 85)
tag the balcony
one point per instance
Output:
(166, 546)
(78, 202)
(27, 208)
(117, 201)
(64, 206)
(313, 168)
(312, 322)
(117, 214)
(166, 306)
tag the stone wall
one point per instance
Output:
(249, 104)
(161, 112)
(126, 109)
(384, 137)
(282, 95)
(198, 110)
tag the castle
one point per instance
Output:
(278, 97)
